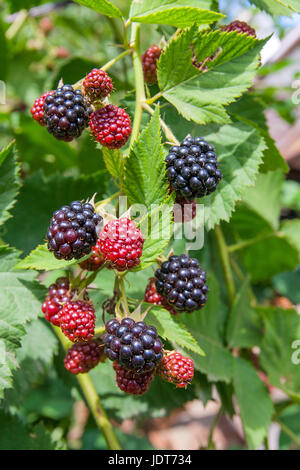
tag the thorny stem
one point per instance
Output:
(225, 260)
(93, 401)
(168, 133)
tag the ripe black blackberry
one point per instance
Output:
(135, 346)
(182, 282)
(66, 113)
(192, 168)
(72, 231)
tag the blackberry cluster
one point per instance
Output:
(110, 126)
(72, 231)
(121, 244)
(149, 62)
(82, 357)
(66, 113)
(37, 109)
(132, 383)
(153, 297)
(94, 262)
(97, 85)
(77, 320)
(177, 369)
(182, 282)
(135, 346)
(192, 168)
(58, 294)
(241, 27)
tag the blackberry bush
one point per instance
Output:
(66, 114)
(182, 283)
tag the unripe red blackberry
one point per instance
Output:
(77, 320)
(131, 382)
(241, 27)
(66, 113)
(111, 126)
(37, 109)
(177, 369)
(184, 210)
(58, 294)
(72, 231)
(153, 297)
(149, 62)
(97, 85)
(94, 262)
(135, 346)
(192, 168)
(82, 357)
(182, 282)
(121, 244)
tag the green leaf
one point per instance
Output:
(114, 162)
(239, 148)
(9, 181)
(255, 404)
(39, 343)
(42, 259)
(244, 325)
(172, 329)
(8, 258)
(291, 229)
(287, 284)
(277, 7)
(102, 6)
(145, 174)
(3, 53)
(221, 80)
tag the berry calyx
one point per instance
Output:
(192, 168)
(134, 345)
(149, 62)
(241, 27)
(153, 297)
(132, 383)
(66, 113)
(37, 109)
(58, 294)
(111, 126)
(121, 244)
(72, 231)
(77, 320)
(82, 357)
(182, 282)
(94, 262)
(176, 369)
(97, 85)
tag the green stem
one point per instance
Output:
(154, 98)
(168, 133)
(225, 260)
(123, 293)
(17, 24)
(289, 432)
(266, 442)
(210, 443)
(93, 400)
(139, 81)
(247, 243)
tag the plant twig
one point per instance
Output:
(289, 432)
(225, 260)
(210, 443)
(17, 24)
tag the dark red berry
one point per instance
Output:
(177, 369)
(77, 320)
(37, 109)
(134, 345)
(82, 357)
(184, 210)
(153, 297)
(182, 283)
(94, 262)
(241, 27)
(121, 244)
(131, 382)
(111, 126)
(97, 85)
(58, 294)
(149, 61)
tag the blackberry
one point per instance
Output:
(149, 62)
(66, 113)
(177, 369)
(77, 320)
(58, 294)
(94, 262)
(192, 168)
(97, 85)
(184, 210)
(153, 297)
(111, 126)
(72, 231)
(121, 244)
(131, 382)
(135, 346)
(182, 282)
(37, 109)
(82, 357)
(241, 27)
